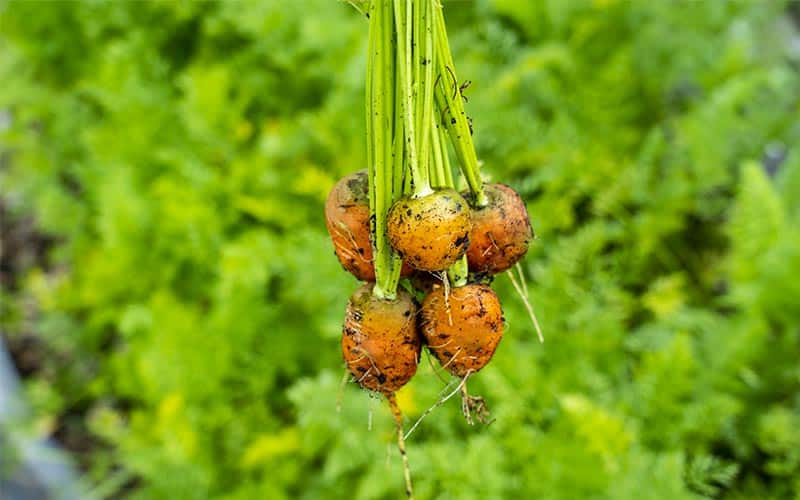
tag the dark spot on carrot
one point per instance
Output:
(482, 308)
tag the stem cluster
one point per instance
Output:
(413, 104)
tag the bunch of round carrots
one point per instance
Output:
(403, 228)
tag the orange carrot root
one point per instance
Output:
(430, 232)
(501, 231)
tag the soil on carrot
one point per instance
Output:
(501, 231)
(380, 342)
(462, 328)
(431, 232)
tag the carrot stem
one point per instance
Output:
(405, 46)
(448, 171)
(448, 98)
(459, 272)
(381, 144)
(437, 169)
(375, 100)
(368, 116)
(423, 63)
(393, 150)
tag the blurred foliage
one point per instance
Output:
(179, 153)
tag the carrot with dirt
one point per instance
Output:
(347, 219)
(380, 341)
(430, 232)
(381, 347)
(501, 231)
(462, 327)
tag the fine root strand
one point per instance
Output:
(351, 252)
(526, 303)
(522, 278)
(440, 346)
(371, 361)
(370, 408)
(452, 358)
(436, 371)
(401, 442)
(446, 283)
(491, 248)
(473, 404)
(437, 404)
(364, 376)
(340, 393)
(464, 399)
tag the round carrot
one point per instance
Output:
(430, 232)
(347, 220)
(462, 326)
(501, 231)
(380, 341)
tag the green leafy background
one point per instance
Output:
(177, 156)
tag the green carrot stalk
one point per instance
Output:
(424, 64)
(380, 146)
(405, 48)
(448, 98)
(394, 125)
